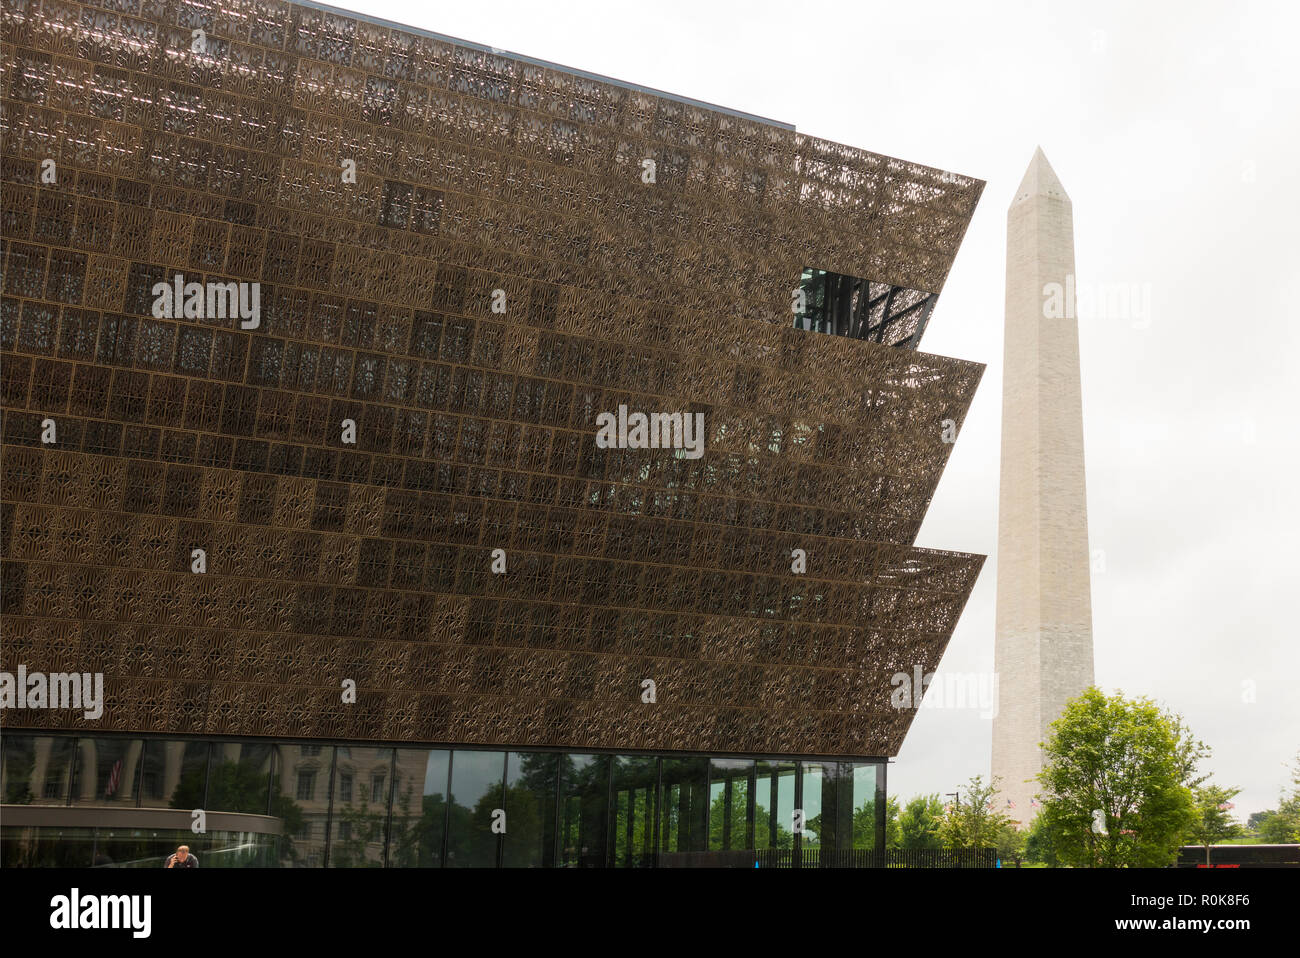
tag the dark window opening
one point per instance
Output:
(861, 309)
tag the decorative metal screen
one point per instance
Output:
(518, 249)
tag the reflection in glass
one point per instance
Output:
(584, 789)
(849, 306)
(419, 808)
(35, 769)
(826, 815)
(731, 826)
(684, 814)
(476, 793)
(81, 847)
(303, 802)
(635, 781)
(529, 839)
(173, 770)
(366, 806)
(239, 780)
(862, 800)
(105, 771)
(358, 823)
(774, 805)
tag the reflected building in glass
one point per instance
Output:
(127, 802)
(334, 523)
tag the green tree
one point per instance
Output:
(417, 840)
(864, 824)
(893, 834)
(763, 830)
(471, 840)
(1117, 779)
(919, 821)
(1214, 822)
(974, 822)
(358, 836)
(1281, 826)
(1038, 844)
(719, 817)
(1010, 844)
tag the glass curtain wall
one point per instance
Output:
(684, 806)
(419, 819)
(350, 806)
(477, 809)
(635, 788)
(731, 804)
(584, 810)
(529, 837)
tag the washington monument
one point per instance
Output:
(1043, 653)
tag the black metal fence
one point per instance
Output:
(826, 858)
(1240, 856)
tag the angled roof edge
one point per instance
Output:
(547, 64)
(623, 84)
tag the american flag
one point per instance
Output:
(1034, 803)
(1226, 806)
(1010, 803)
(114, 777)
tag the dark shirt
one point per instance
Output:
(191, 861)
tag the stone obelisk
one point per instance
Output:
(1043, 653)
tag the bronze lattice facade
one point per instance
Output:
(475, 172)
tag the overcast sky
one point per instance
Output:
(1175, 128)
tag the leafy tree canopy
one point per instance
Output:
(974, 821)
(1117, 780)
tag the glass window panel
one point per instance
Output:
(476, 791)
(584, 785)
(105, 771)
(861, 799)
(635, 782)
(529, 839)
(240, 778)
(36, 769)
(730, 789)
(81, 847)
(357, 824)
(684, 812)
(824, 818)
(774, 805)
(419, 808)
(836, 831)
(174, 774)
(302, 803)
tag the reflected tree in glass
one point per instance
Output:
(584, 780)
(418, 834)
(241, 786)
(529, 841)
(477, 791)
(635, 780)
(357, 828)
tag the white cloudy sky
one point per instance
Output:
(1175, 128)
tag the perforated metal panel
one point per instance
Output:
(474, 172)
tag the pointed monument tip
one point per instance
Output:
(1040, 180)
